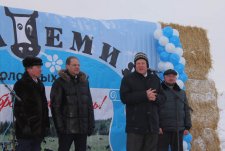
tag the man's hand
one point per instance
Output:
(151, 94)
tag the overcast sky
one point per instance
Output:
(209, 15)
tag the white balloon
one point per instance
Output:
(163, 40)
(161, 66)
(182, 60)
(179, 51)
(158, 34)
(175, 32)
(170, 47)
(180, 83)
(185, 145)
(168, 65)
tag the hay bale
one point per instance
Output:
(209, 136)
(198, 144)
(202, 97)
(196, 50)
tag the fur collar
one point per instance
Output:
(64, 74)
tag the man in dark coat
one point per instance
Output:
(72, 107)
(31, 113)
(174, 114)
(139, 91)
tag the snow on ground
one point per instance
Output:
(221, 124)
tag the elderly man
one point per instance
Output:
(32, 121)
(139, 91)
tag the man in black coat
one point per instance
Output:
(139, 91)
(174, 114)
(71, 106)
(31, 113)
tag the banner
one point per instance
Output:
(105, 48)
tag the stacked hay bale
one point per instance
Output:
(201, 92)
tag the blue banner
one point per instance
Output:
(105, 48)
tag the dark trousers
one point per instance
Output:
(29, 145)
(66, 140)
(170, 138)
(142, 142)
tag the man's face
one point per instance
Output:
(141, 66)
(73, 67)
(34, 71)
(170, 78)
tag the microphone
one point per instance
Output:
(12, 92)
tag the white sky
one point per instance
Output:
(208, 14)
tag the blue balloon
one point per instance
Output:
(183, 76)
(179, 68)
(164, 56)
(179, 45)
(175, 40)
(188, 138)
(174, 58)
(160, 49)
(168, 31)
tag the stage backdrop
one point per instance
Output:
(105, 48)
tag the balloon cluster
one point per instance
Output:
(187, 142)
(170, 53)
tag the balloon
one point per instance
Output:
(170, 47)
(174, 58)
(185, 145)
(167, 31)
(188, 138)
(161, 66)
(163, 40)
(182, 61)
(168, 65)
(160, 49)
(180, 84)
(174, 40)
(158, 33)
(179, 45)
(175, 32)
(164, 56)
(183, 76)
(179, 51)
(179, 68)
